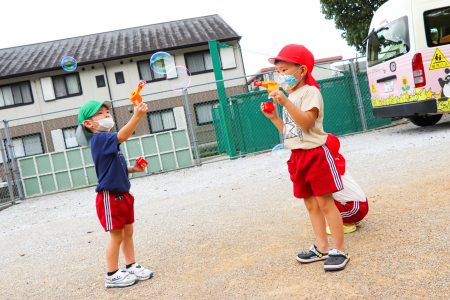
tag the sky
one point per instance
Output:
(265, 26)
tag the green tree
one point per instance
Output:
(353, 17)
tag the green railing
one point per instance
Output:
(74, 168)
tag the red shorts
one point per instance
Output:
(313, 172)
(353, 211)
(115, 210)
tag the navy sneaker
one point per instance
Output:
(311, 255)
(336, 261)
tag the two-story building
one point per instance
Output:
(41, 100)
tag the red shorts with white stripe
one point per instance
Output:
(313, 172)
(115, 210)
(353, 211)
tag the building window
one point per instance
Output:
(162, 120)
(70, 140)
(203, 112)
(119, 77)
(147, 74)
(27, 145)
(100, 81)
(199, 62)
(15, 94)
(67, 85)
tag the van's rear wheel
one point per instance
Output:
(425, 120)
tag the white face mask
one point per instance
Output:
(105, 124)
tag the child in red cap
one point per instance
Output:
(351, 201)
(311, 166)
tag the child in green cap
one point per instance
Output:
(115, 205)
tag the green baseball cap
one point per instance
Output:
(89, 109)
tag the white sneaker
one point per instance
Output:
(120, 279)
(140, 272)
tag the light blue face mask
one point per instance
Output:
(288, 82)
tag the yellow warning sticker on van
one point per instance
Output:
(439, 61)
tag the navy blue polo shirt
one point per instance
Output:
(110, 164)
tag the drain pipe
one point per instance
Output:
(110, 96)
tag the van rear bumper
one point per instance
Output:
(406, 109)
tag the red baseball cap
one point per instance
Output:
(298, 54)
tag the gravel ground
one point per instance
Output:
(231, 230)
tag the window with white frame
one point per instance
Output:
(15, 94)
(147, 74)
(70, 140)
(199, 62)
(66, 85)
(27, 145)
(203, 112)
(167, 65)
(61, 86)
(162, 120)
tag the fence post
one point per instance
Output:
(224, 107)
(7, 172)
(191, 127)
(358, 95)
(10, 149)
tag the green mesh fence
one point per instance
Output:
(252, 132)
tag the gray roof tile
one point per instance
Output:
(46, 56)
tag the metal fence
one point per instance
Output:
(222, 119)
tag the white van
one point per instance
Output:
(408, 60)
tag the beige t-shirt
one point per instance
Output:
(305, 98)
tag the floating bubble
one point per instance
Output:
(179, 78)
(158, 62)
(68, 63)
(281, 152)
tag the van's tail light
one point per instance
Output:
(418, 71)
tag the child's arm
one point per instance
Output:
(303, 119)
(126, 131)
(136, 168)
(273, 116)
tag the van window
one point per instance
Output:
(437, 26)
(389, 41)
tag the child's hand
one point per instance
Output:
(279, 97)
(138, 168)
(270, 115)
(140, 110)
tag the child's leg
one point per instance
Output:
(318, 223)
(334, 219)
(128, 244)
(128, 251)
(112, 250)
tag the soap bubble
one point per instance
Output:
(158, 62)
(281, 152)
(179, 78)
(68, 63)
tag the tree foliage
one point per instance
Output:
(353, 17)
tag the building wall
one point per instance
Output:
(119, 92)
(48, 117)
(50, 128)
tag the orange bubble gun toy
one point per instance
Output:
(269, 85)
(135, 96)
